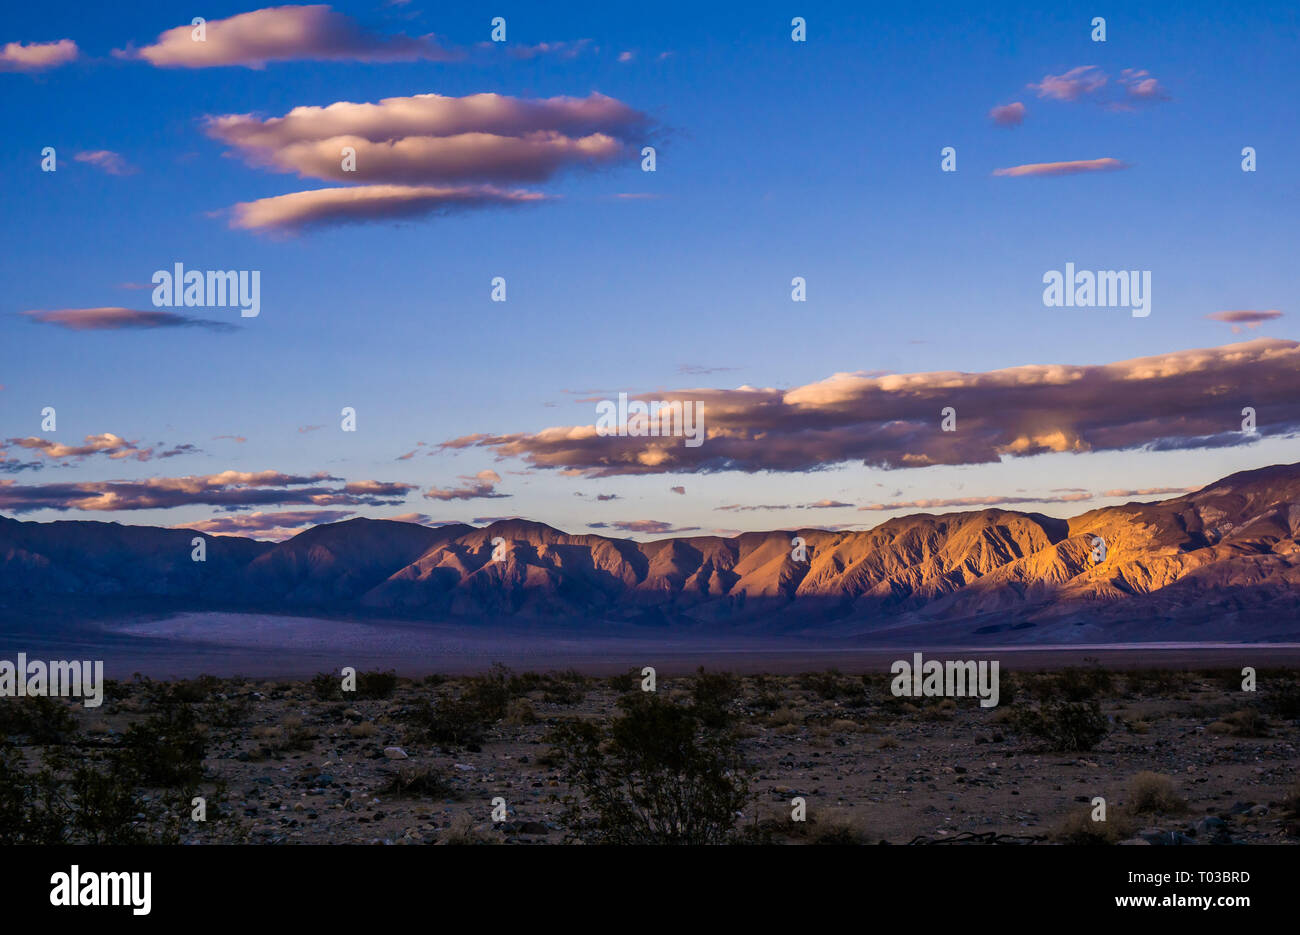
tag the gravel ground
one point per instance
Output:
(300, 769)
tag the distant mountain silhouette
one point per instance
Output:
(1221, 563)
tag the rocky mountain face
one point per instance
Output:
(1208, 565)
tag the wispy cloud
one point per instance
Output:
(1150, 492)
(115, 447)
(112, 318)
(653, 527)
(481, 486)
(696, 370)
(1141, 86)
(272, 526)
(756, 507)
(563, 49)
(330, 206)
(1062, 168)
(1242, 319)
(111, 162)
(1072, 85)
(972, 502)
(284, 33)
(1008, 115)
(1086, 81)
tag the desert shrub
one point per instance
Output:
(567, 688)
(520, 712)
(20, 823)
(81, 802)
(655, 775)
(326, 686)
(375, 686)
(289, 736)
(38, 718)
(1246, 722)
(445, 721)
(1283, 700)
(1081, 684)
(1067, 726)
(828, 826)
(785, 716)
(1227, 679)
(181, 691)
(228, 712)
(625, 681)
(1291, 801)
(1078, 828)
(939, 709)
(1151, 792)
(522, 683)
(1011, 687)
(1155, 681)
(827, 685)
(411, 781)
(463, 830)
(489, 693)
(713, 694)
(167, 749)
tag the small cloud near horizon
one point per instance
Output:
(481, 486)
(1241, 319)
(1071, 167)
(113, 318)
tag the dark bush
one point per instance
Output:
(1282, 699)
(375, 686)
(39, 719)
(714, 693)
(625, 681)
(490, 693)
(655, 775)
(167, 749)
(86, 802)
(326, 686)
(446, 721)
(567, 688)
(1068, 726)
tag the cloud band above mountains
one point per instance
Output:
(231, 490)
(1180, 400)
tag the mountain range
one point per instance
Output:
(1218, 564)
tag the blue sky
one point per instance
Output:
(775, 159)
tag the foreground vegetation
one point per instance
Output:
(708, 758)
